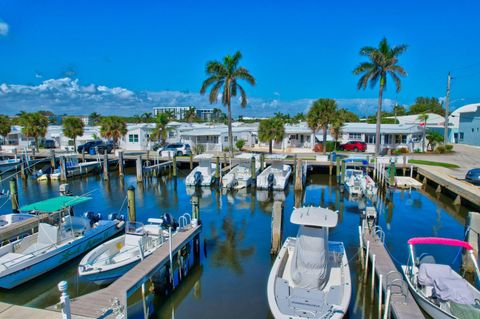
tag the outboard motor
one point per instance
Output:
(115, 216)
(92, 217)
(169, 221)
(197, 177)
(270, 180)
(65, 190)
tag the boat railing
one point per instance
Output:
(396, 284)
(184, 220)
(8, 263)
(379, 233)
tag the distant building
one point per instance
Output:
(469, 127)
(454, 121)
(177, 111)
(205, 114)
(86, 120)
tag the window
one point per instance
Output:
(460, 138)
(225, 139)
(386, 139)
(370, 138)
(354, 136)
(473, 130)
(133, 138)
(404, 139)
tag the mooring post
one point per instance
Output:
(298, 176)
(277, 225)
(52, 159)
(337, 168)
(132, 212)
(360, 239)
(393, 170)
(83, 155)
(365, 274)
(217, 169)
(139, 169)
(342, 176)
(191, 161)
(330, 165)
(195, 201)
(120, 164)
(225, 160)
(105, 166)
(373, 278)
(64, 300)
(63, 169)
(380, 292)
(253, 171)
(22, 167)
(174, 165)
(262, 161)
(14, 195)
(295, 167)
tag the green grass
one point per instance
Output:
(432, 163)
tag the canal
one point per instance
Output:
(231, 280)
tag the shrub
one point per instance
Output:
(396, 151)
(226, 149)
(199, 149)
(331, 146)
(440, 149)
(240, 144)
(404, 150)
(449, 148)
(417, 150)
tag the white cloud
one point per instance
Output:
(66, 95)
(4, 27)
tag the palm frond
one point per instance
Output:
(363, 67)
(212, 98)
(207, 83)
(243, 74)
(396, 79)
(243, 96)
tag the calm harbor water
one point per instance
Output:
(231, 280)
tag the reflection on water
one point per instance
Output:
(231, 281)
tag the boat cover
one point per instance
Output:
(447, 285)
(55, 204)
(309, 261)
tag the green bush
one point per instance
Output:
(331, 146)
(240, 144)
(226, 149)
(417, 150)
(440, 149)
(199, 149)
(449, 148)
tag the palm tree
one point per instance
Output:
(270, 130)
(383, 61)
(137, 118)
(34, 125)
(160, 131)
(95, 118)
(72, 128)
(113, 127)
(322, 113)
(226, 74)
(147, 116)
(433, 138)
(190, 115)
(336, 125)
(423, 118)
(5, 126)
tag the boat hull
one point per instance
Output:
(109, 276)
(55, 258)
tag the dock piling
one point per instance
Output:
(262, 161)
(106, 176)
(217, 169)
(392, 171)
(253, 171)
(298, 176)
(64, 300)
(337, 168)
(120, 164)
(139, 169)
(132, 213)
(277, 224)
(14, 195)
(22, 167)
(191, 161)
(174, 165)
(63, 169)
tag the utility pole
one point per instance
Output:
(447, 102)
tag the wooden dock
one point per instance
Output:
(98, 304)
(406, 182)
(402, 303)
(26, 226)
(9, 311)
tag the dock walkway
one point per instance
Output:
(9, 311)
(97, 304)
(402, 305)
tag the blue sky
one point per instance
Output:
(154, 52)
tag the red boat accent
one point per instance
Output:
(439, 241)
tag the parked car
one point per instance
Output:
(108, 147)
(49, 144)
(87, 146)
(179, 149)
(473, 176)
(356, 146)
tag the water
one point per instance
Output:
(231, 280)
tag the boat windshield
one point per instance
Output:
(134, 228)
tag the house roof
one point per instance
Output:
(384, 129)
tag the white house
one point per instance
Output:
(215, 137)
(137, 137)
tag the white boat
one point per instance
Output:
(9, 164)
(275, 177)
(310, 277)
(438, 289)
(369, 187)
(114, 258)
(204, 173)
(352, 181)
(10, 219)
(73, 167)
(240, 176)
(52, 246)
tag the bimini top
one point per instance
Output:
(314, 216)
(55, 204)
(439, 241)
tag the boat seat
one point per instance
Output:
(335, 295)
(155, 230)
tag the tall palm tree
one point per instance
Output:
(190, 115)
(160, 131)
(271, 130)
(5, 126)
(95, 118)
(226, 74)
(113, 127)
(383, 61)
(72, 128)
(147, 116)
(423, 118)
(336, 126)
(321, 114)
(34, 125)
